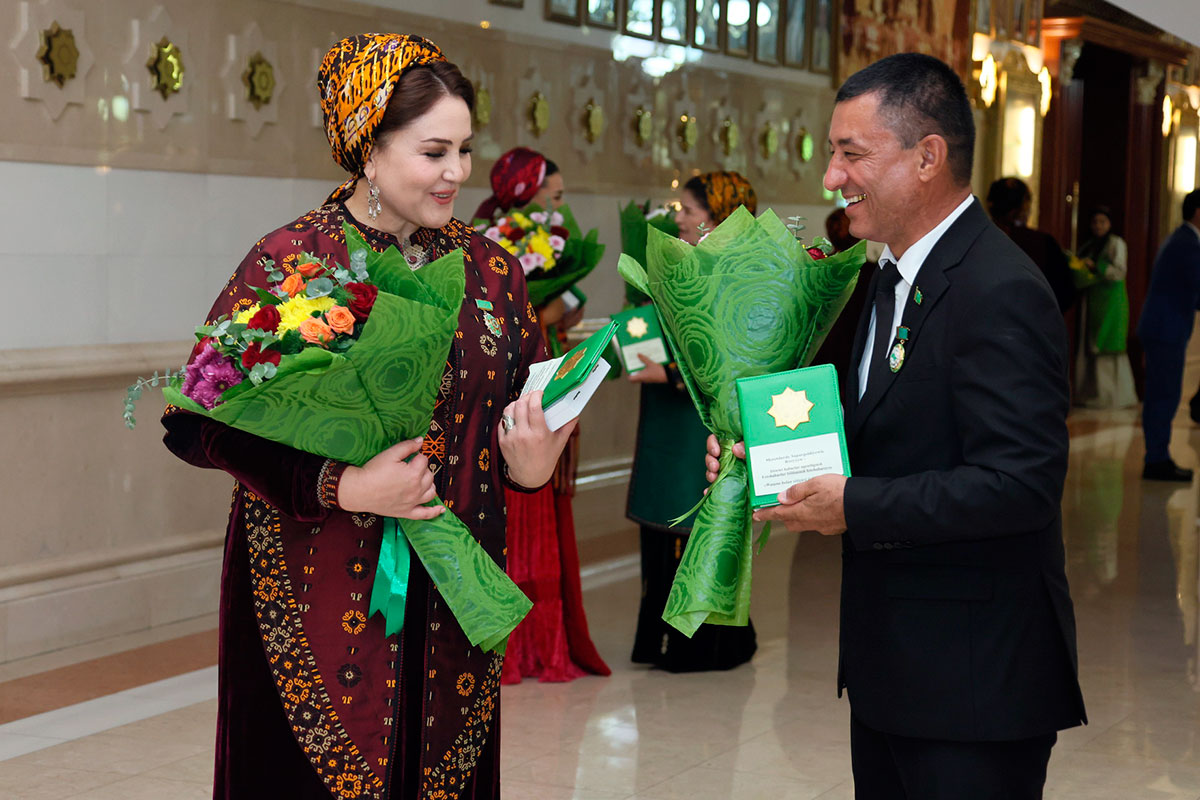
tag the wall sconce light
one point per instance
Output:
(1044, 80)
(1168, 116)
(987, 81)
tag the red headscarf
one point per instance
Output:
(516, 177)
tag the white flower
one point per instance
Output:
(557, 242)
(539, 217)
(531, 261)
(493, 233)
(556, 218)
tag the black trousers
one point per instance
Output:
(890, 767)
(1164, 385)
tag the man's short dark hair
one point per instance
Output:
(920, 95)
(1190, 204)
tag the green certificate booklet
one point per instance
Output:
(639, 332)
(569, 381)
(793, 429)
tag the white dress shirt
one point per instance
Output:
(908, 265)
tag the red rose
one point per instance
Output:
(199, 346)
(559, 230)
(816, 252)
(265, 319)
(364, 299)
(256, 355)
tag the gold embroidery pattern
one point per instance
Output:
(301, 688)
(498, 265)
(446, 778)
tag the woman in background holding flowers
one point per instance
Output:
(1103, 375)
(314, 699)
(665, 481)
(553, 643)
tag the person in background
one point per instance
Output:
(553, 643)
(839, 342)
(1009, 203)
(315, 700)
(1103, 375)
(666, 481)
(1164, 330)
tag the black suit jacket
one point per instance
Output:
(956, 619)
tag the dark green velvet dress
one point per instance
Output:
(668, 479)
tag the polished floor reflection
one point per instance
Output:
(771, 729)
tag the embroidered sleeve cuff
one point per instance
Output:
(327, 482)
(674, 376)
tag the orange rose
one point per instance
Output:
(310, 269)
(293, 284)
(340, 319)
(314, 331)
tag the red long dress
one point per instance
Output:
(552, 643)
(314, 701)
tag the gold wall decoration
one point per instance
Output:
(59, 54)
(768, 141)
(688, 132)
(731, 135)
(593, 121)
(804, 145)
(166, 68)
(539, 114)
(483, 106)
(643, 125)
(259, 80)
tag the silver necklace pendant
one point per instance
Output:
(414, 255)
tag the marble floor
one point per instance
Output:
(770, 729)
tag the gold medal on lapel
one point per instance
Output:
(896, 356)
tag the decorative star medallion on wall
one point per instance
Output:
(593, 121)
(259, 80)
(789, 408)
(688, 133)
(166, 68)
(539, 114)
(643, 125)
(731, 135)
(483, 106)
(59, 55)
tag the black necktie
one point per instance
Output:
(885, 310)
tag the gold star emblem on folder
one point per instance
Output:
(636, 327)
(790, 408)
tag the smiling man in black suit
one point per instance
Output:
(957, 629)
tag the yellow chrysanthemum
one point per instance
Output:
(244, 316)
(540, 244)
(298, 309)
(522, 220)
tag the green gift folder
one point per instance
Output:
(569, 381)
(793, 430)
(640, 333)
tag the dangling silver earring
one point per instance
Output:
(373, 204)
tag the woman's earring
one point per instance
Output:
(373, 204)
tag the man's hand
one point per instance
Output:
(712, 461)
(815, 505)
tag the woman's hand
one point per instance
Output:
(529, 447)
(653, 373)
(391, 484)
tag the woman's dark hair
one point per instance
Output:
(551, 168)
(1105, 210)
(1006, 198)
(695, 187)
(920, 95)
(419, 90)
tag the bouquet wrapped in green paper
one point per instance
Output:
(554, 252)
(349, 385)
(636, 220)
(748, 300)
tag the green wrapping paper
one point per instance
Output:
(748, 300)
(634, 227)
(352, 406)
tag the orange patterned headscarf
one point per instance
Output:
(724, 192)
(355, 83)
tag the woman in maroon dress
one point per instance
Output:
(315, 701)
(553, 643)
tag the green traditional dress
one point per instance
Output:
(668, 479)
(1103, 376)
